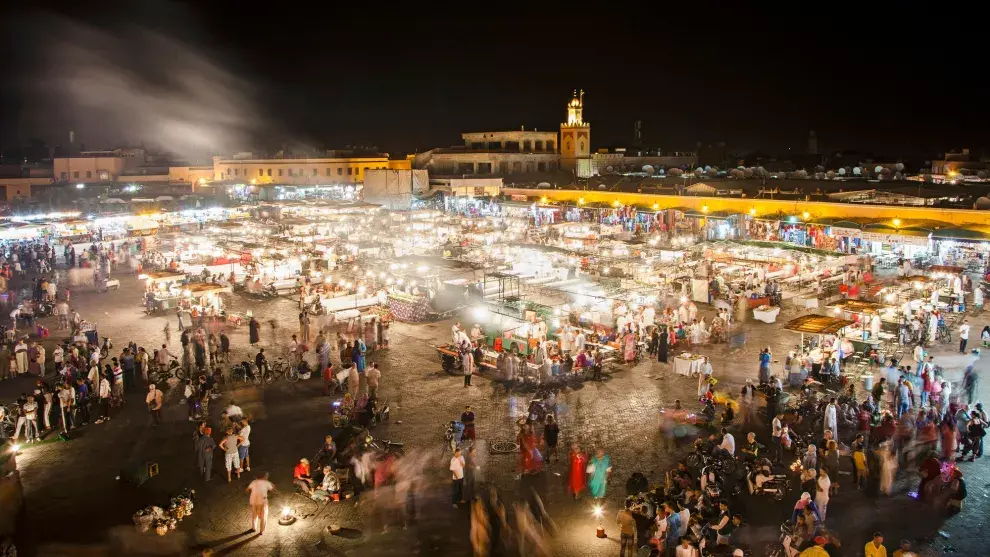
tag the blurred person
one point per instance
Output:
(259, 490)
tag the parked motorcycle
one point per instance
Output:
(700, 460)
(761, 480)
(245, 372)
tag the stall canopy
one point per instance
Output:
(817, 324)
(922, 279)
(953, 269)
(205, 288)
(960, 234)
(857, 306)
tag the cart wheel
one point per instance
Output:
(292, 375)
(180, 373)
(256, 379)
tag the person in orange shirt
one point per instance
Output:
(301, 477)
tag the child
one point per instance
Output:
(859, 461)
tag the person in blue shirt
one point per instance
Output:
(82, 400)
(765, 358)
(673, 526)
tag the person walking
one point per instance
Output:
(104, 394)
(259, 489)
(599, 470)
(551, 434)
(457, 464)
(467, 363)
(577, 474)
(472, 473)
(963, 336)
(205, 446)
(254, 330)
(154, 402)
(373, 376)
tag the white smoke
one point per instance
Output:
(138, 85)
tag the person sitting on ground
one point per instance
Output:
(327, 453)
(301, 477)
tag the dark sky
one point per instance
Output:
(220, 76)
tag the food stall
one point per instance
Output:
(163, 290)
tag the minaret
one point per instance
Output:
(575, 138)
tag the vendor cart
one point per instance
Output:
(450, 360)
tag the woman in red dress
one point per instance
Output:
(530, 460)
(577, 476)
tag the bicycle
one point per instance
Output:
(280, 368)
(159, 373)
(943, 334)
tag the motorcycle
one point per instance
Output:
(245, 372)
(700, 460)
(783, 547)
(762, 481)
(382, 446)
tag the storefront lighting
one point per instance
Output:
(543, 199)
(480, 313)
(704, 209)
(806, 215)
(752, 211)
(616, 203)
(580, 201)
(897, 222)
(656, 206)
(80, 186)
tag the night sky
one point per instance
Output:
(199, 77)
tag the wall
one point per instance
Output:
(89, 169)
(501, 164)
(757, 207)
(12, 191)
(190, 174)
(475, 187)
(547, 139)
(394, 189)
(267, 171)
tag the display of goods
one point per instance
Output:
(412, 310)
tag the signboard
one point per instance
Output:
(848, 232)
(518, 198)
(895, 238)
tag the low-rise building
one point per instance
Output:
(339, 168)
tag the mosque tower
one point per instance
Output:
(575, 138)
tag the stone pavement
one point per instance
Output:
(74, 498)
